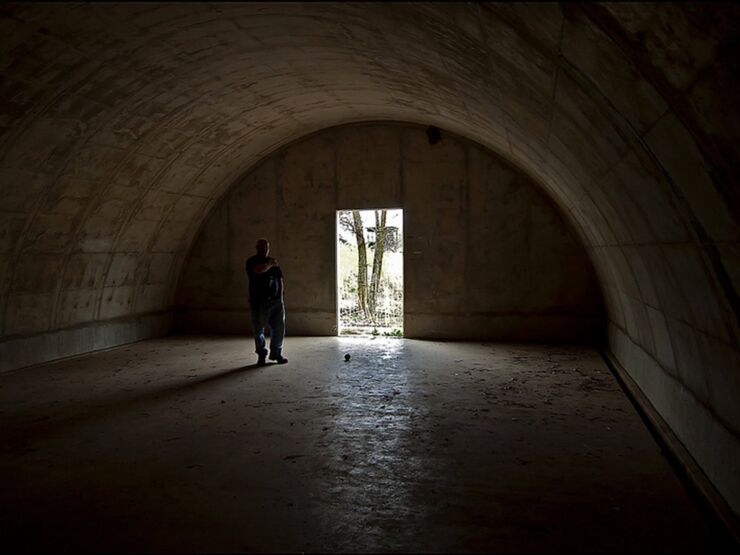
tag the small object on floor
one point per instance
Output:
(347, 357)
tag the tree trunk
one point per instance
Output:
(361, 263)
(380, 232)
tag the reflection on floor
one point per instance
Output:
(183, 444)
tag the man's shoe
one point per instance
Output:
(261, 360)
(280, 359)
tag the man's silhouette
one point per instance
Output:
(266, 286)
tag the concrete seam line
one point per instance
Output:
(690, 473)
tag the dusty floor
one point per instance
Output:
(182, 444)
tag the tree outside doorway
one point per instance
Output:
(370, 272)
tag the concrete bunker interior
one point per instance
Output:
(488, 254)
(589, 148)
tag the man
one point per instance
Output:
(266, 286)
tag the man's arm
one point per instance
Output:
(263, 267)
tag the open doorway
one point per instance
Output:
(370, 272)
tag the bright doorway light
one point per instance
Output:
(370, 272)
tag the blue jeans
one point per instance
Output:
(270, 312)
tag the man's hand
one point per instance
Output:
(274, 262)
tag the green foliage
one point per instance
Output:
(382, 309)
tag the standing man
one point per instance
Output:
(266, 287)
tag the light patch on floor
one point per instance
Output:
(182, 444)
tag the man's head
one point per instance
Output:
(263, 247)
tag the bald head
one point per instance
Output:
(263, 247)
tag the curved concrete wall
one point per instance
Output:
(487, 254)
(122, 125)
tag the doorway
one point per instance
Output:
(370, 272)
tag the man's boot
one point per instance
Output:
(261, 359)
(279, 358)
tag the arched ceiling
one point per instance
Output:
(123, 122)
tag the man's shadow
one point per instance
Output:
(36, 427)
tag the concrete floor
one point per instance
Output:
(182, 444)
